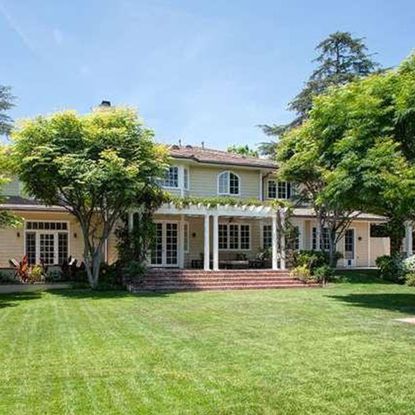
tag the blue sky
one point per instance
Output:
(198, 70)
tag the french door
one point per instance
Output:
(46, 247)
(166, 244)
(349, 248)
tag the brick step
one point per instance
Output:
(158, 271)
(214, 277)
(220, 288)
(221, 282)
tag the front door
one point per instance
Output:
(349, 248)
(165, 248)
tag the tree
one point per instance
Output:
(243, 150)
(97, 166)
(341, 59)
(357, 149)
(6, 103)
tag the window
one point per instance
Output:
(223, 236)
(186, 178)
(171, 179)
(186, 237)
(46, 242)
(349, 241)
(279, 190)
(228, 183)
(234, 236)
(267, 236)
(294, 243)
(324, 238)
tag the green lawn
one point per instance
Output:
(335, 350)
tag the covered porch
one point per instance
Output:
(220, 237)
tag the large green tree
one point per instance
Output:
(6, 123)
(357, 149)
(97, 166)
(6, 103)
(341, 58)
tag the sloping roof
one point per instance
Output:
(310, 213)
(22, 203)
(211, 156)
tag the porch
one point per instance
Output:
(217, 238)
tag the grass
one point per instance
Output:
(337, 350)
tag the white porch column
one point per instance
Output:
(181, 242)
(215, 242)
(408, 238)
(206, 266)
(282, 239)
(274, 242)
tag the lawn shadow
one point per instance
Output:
(12, 299)
(87, 293)
(364, 276)
(404, 303)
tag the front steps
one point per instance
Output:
(170, 280)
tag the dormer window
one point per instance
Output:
(278, 190)
(171, 179)
(228, 183)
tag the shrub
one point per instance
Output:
(110, 276)
(313, 259)
(410, 279)
(53, 275)
(302, 273)
(323, 273)
(7, 278)
(391, 268)
(36, 274)
(134, 270)
(409, 264)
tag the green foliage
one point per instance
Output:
(134, 270)
(243, 150)
(391, 268)
(302, 273)
(6, 103)
(410, 279)
(8, 278)
(323, 273)
(36, 273)
(341, 59)
(313, 259)
(99, 166)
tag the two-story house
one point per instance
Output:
(196, 235)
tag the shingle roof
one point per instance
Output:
(211, 156)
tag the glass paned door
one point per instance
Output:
(47, 248)
(165, 247)
(349, 253)
(171, 243)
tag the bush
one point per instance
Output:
(110, 276)
(410, 279)
(391, 268)
(7, 278)
(302, 273)
(323, 273)
(53, 276)
(409, 264)
(36, 274)
(313, 259)
(134, 270)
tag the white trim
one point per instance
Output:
(215, 242)
(238, 223)
(354, 259)
(54, 232)
(206, 243)
(277, 182)
(163, 243)
(229, 172)
(369, 248)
